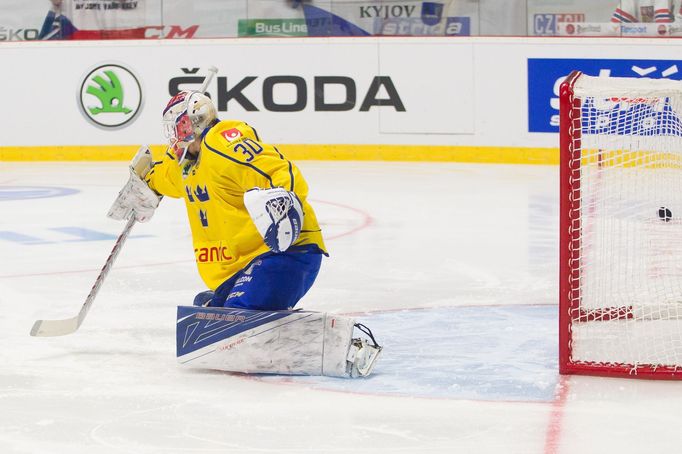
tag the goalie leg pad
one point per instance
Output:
(204, 298)
(275, 342)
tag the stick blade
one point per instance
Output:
(52, 328)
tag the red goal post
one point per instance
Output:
(620, 279)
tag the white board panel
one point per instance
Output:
(436, 83)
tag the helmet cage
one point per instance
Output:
(177, 125)
(187, 115)
(179, 130)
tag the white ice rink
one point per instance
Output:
(453, 266)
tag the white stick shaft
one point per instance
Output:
(212, 71)
(106, 268)
(49, 328)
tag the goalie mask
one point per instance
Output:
(186, 116)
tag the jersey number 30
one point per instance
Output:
(249, 148)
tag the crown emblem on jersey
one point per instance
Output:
(202, 194)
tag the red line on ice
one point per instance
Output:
(556, 417)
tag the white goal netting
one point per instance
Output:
(626, 306)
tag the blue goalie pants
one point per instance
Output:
(270, 282)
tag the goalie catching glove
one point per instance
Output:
(277, 214)
(136, 198)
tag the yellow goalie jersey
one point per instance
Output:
(232, 161)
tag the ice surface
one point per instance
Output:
(452, 266)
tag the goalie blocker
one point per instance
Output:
(273, 342)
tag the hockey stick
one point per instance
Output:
(50, 328)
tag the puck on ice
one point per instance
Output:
(665, 214)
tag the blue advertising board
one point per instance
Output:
(546, 74)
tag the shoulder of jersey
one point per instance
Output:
(230, 131)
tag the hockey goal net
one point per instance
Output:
(621, 227)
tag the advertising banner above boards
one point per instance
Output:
(608, 18)
(184, 19)
(77, 19)
(612, 29)
(545, 76)
(365, 18)
(154, 19)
